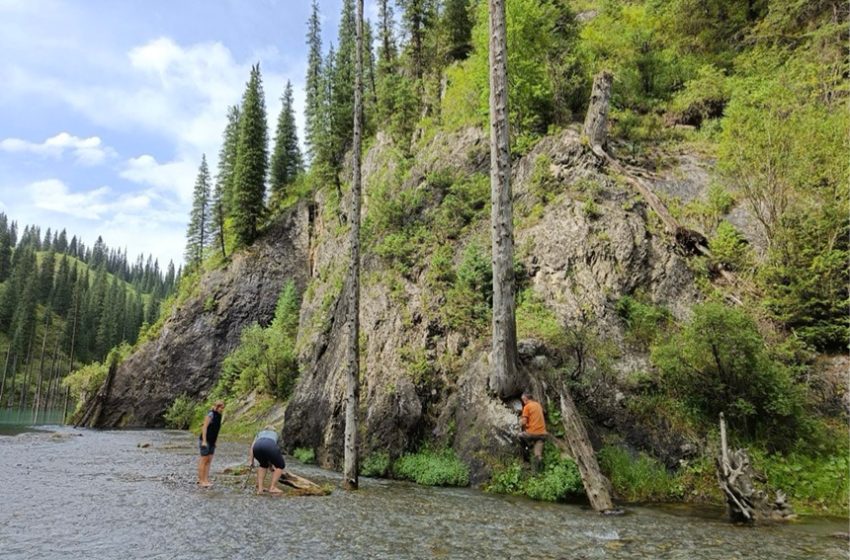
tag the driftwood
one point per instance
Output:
(597, 487)
(736, 476)
(294, 484)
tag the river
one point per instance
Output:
(90, 495)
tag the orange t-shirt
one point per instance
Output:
(532, 413)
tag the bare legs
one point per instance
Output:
(204, 470)
(261, 476)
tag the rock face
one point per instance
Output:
(583, 243)
(186, 356)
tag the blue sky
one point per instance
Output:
(106, 106)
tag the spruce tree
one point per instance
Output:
(314, 90)
(251, 162)
(223, 193)
(387, 51)
(197, 235)
(45, 279)
(5, 254)
(286, 161)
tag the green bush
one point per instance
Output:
(304, 455)
(376, 464)
(181, 413)
(703, 97)
(432, 468)
(535, 320)
(816, 484)
(718, 362)
(468, 301)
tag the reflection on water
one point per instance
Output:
(99, 495)
(29, 416)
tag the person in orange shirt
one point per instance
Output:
(533, 428)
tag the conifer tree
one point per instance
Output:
(251, 161)
(387, 50)
(286, 161)
(197, 236)
(61, 299)
(45, 279)
(314, 90)
(223, 193)
(5, 250)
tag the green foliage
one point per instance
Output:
(432, 468)
(559, 479)
(729, 249)
(703, 97)
(535, 320)
(181, 413)
(286, 163)
(718, 363)
(376, 464)
(85, 381)
(304, 455)
(249, 181)
(531, 35)
(200, 218)
(265, 359)
(638, 478)
(469, 299)
(805, 276)
(644, 321)
(816, 484)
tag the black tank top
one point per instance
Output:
(213, 428)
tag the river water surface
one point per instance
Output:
(84, 495)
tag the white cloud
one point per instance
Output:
(87, 151)
(54, 195)
(176, 177)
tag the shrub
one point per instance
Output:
(432, 468)
(181, 413)
(718, 363)
(557, 481)
(468, 301)
(376, 464)
(703, 97)
(535, 320)
(304, 455)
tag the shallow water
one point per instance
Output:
(83, 494)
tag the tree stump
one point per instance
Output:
(596, 120)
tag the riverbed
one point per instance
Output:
(83, 494)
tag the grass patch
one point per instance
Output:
(558, 479)
(638, 478)
(432, 468)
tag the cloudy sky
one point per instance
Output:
(107, 106)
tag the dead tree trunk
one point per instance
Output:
(736, 476)
(5, 369)
(503, 376)
(38, 392)
(91, 416)
(597, 487)
(596, 120)
(352, 390)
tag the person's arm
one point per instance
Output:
(251, 456)
(523, 420)
(207, 421)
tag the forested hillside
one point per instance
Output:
(63, 304)
(734, 113)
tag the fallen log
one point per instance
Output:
(294, 484)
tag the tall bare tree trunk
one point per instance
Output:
(50, 401)
(5, 369)
(503, 378)
(596, 486)
(25, 386)
(41, 368)
(352, 389)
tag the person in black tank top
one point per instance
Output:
(206, 443)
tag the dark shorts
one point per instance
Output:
(267, 452)
(531, 438)
(208, 450)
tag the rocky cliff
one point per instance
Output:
(584, 240)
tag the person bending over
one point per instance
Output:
(206, 442)
(266, 451)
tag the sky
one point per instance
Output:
(107, 106)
